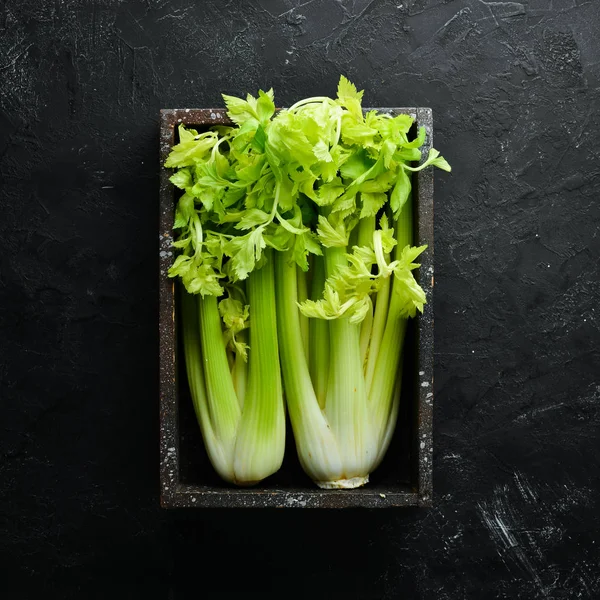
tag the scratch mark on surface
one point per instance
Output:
(460, 13)
(514, 8)
(12, 63)
(287, 12)
(501, 520)
(178, 13)
(525, 488)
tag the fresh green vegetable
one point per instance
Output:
(319, 195)
(228, 300)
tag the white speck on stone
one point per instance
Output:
(421, 372)
(213, 116)
(425, 459)
(425, 384)
(422, 445)
(218, 115)
(179, 120)
(193, 499)
(382, 495)
(429, 395)
(289, 501)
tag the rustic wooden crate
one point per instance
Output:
(186, 477)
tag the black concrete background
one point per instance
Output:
(515, 91)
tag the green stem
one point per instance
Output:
(219, 409)
(261, 437)
(404, 227)
(366, 327)
(346, 400)
(302, 296)
(318, 353)
(220, 457)
(222, 401)
(334, 258)
(390, 426)
(366, 228)
(381, 312)
(193, 358)
(230, 359)
(388, 363)
(353, 237)
(317, 448)
(240, 373)
(313, 100)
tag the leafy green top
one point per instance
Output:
(300, 180)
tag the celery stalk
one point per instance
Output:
(316, 445)
(378, 328)
(240, 411)
(302, 296)
(239, 373)
(366, 228)
(260, 440)
(388, 363)
(318, 353)
(366, 328)
(216, 405)
(346, 399)
(219, 456)
(223, 406)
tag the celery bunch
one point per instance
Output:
(301, 222)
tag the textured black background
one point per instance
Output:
(515, 91)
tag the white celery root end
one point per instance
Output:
(343, 484)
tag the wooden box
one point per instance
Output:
(186, 476)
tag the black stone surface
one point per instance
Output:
(515, 90)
